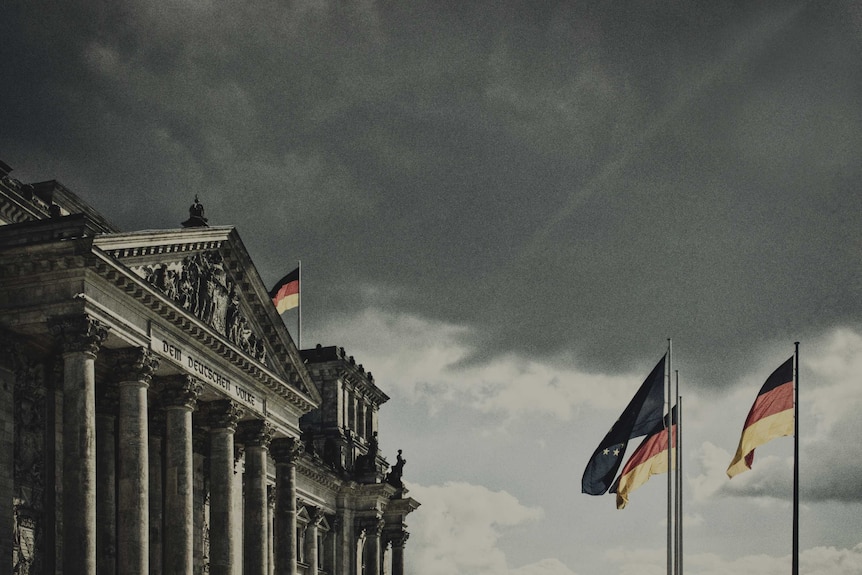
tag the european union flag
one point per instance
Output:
(641, 415)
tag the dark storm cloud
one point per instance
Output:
(579, 177)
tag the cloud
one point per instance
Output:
(458, 527)
(813, 561)
(830, 404)
(423, 360)
(544, 567)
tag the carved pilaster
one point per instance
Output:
(78, 333)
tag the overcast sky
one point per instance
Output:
(503, 210)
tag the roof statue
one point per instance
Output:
(196, 215)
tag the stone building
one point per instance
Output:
(157, 417)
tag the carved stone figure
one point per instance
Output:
(200, 285)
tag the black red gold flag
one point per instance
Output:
(650, 458)
(771, 416)
(285, 294)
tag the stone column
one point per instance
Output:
(134, 369)
(373, 527)
(179, 397)
(311, 544)
(80, 337)
(222, 416)
(285, 451)
(156, 441)
(256, 436)
(106, 480)
(398, 543)
(270, 535)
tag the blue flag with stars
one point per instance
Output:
(640, 416)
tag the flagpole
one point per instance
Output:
(679, 509)
(795, 564)
(669, 466)
(299, 307)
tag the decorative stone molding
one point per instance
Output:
(222, 414)
(180, 391)
(200, 285)
(134, 364)
(315, 515)
(82, 333)
(286, 449)
(255, 433)
(398, 539)
(370, 525)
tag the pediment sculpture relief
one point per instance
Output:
(200, 285)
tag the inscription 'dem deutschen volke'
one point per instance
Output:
(203, 371)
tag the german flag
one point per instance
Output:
(650, 458)
(771, 416)
(285, 294)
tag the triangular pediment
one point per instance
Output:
(208, 273)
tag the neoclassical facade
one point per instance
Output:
(157, 418)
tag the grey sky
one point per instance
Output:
(565, 183)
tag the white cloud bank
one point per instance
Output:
(459, 527)
(814, 561)
(420, 359)
(830, 457)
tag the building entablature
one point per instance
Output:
(67, 272)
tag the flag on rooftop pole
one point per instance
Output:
(285, 296)
(650, 458)
(285, 293)
(771, 416)
(640, 416)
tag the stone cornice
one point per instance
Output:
(317, 475)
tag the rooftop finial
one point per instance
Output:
(196, 215)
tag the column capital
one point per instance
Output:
(255, 433)
(180, 391)
(134, 364)
(286, 449)
(371, 525)
(398, 539)
(222, 414)
(78, 333)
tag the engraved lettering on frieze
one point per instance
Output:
(200, 285)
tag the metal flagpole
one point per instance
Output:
(678, 479)
(669, 466)
(299, 307)
(795, 564)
